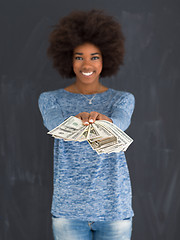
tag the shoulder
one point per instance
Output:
(49, 99)
(51, 96)
(120, 95)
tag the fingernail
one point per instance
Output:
(91, 120)
(86, 123)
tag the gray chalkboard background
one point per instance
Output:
(151, 72)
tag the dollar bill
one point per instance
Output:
(115, 130)
(69, 128)
(103, 136)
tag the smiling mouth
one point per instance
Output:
(87, 73)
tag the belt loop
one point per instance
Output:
(89, 223)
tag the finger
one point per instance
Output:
(85, 118)
(103, 117)
(93, 116)
(78, 116)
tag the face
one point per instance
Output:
(87, 63)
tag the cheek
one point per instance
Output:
(75, 67)
(100, 66)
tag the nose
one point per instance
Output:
(86, 65)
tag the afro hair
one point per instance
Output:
(79, 27)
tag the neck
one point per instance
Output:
(87, 89)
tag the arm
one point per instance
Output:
(50, 110)
(122, 111)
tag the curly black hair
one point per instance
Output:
(79, 27)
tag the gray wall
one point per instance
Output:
(151, 72)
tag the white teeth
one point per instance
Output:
(87, 74)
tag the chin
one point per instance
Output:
(88, 80)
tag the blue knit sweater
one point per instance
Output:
(88, 186)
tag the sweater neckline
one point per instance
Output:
(78, 94)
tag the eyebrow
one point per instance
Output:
(91, 53)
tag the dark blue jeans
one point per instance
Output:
(67, 229)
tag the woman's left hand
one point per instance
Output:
(93, 116)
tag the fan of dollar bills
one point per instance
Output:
(103, 136)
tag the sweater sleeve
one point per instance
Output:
(122, 111)
(50, 110)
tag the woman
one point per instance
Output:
(92, 193)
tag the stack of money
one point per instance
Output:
(103, 136)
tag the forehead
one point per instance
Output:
(87, 48)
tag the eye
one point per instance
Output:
(78, 58)
(95, 58)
